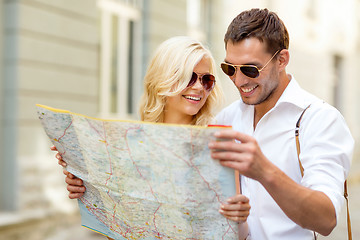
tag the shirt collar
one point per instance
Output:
(295, 95)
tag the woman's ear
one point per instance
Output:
(283, 59)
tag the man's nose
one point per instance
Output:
(239, 79)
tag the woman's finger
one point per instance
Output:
(75, 189)
(74, 181)
(75, 195)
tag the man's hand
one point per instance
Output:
(244, 154)
(237, 208)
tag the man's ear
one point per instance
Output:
(283, 59)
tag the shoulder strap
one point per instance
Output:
(302, 174)
(297, 129)
(347, 211)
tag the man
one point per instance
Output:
(284, 205)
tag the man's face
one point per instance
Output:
(264, 88)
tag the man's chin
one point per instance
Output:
(248, 101)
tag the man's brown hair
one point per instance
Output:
(261, 24)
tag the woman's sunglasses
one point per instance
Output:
(207, 80)
(250, 71)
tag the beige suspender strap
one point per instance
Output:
(297, 129)
(347, 211)
(302, 174)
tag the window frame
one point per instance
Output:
(118, 96)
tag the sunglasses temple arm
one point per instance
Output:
(269, 60)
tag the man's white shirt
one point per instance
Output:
(326, 150)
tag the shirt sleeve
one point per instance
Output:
(326, 152)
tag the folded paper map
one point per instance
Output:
(144, 180)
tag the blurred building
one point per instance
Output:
(89, 56)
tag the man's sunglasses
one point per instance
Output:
(207, 80)
(250, 71)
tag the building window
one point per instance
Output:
(311, 10)
(198, 19)
(120, 31)
(338, 81)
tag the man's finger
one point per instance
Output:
(232, 134)
(234, 165)
(235, 207)
(231, 156)
(235, 213)
(239, 219)
(238, 198)
(229, 146)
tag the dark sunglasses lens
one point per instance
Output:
(250, 71)
(228, 69)
(208, 81)
(193, 79)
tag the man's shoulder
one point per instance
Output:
(321, 107)
(322, 115)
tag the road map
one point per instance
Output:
(144, 180)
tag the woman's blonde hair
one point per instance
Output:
(169, 73)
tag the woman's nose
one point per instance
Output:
(197, 84)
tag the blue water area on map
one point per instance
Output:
(90, 221)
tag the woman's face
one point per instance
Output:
(181, 108)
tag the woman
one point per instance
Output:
(179, 88)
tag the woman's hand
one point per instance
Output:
(75, 185)
(58, 156)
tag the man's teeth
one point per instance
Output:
(193, 98)
(246, 90)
